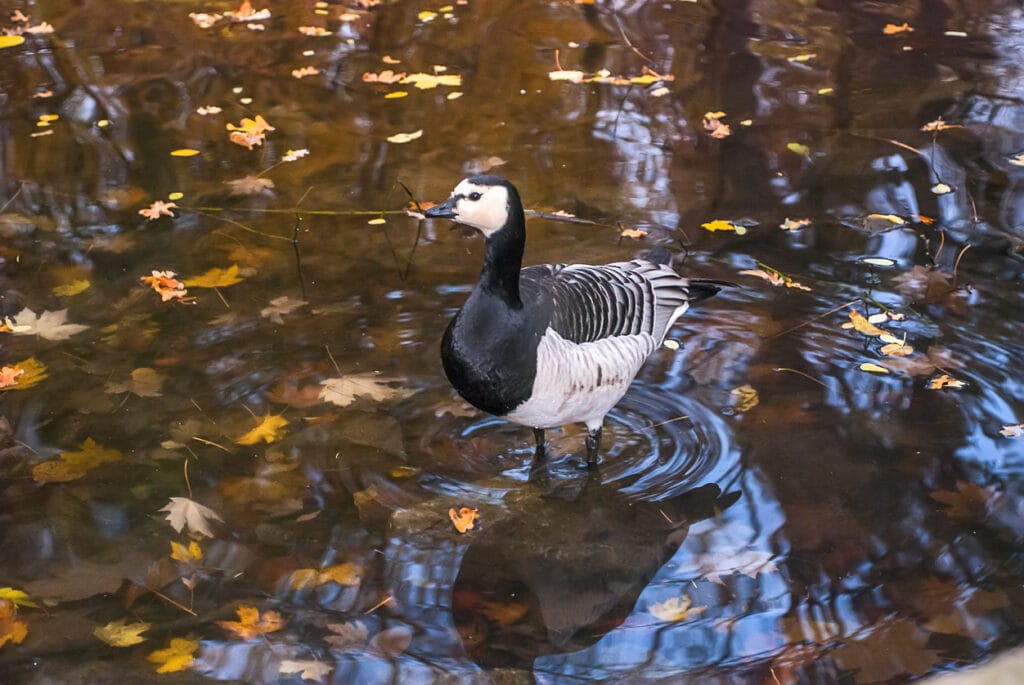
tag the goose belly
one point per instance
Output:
(581, 382)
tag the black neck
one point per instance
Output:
(504, 257)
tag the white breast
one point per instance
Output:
(581, 382)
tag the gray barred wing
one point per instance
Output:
(590, 303)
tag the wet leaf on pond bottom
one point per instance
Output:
(271, 428)
(251, 624)
(120, 634)
(178, 656)
(182, 511)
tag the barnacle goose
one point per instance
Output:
(552, 344)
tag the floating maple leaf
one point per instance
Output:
(944, 381)
(713, 124)
(463, 519)
(314, 31)
(179, 656)
(344, 391)
(723, 225)
(675, 609)
(744, 398)
(251, 625)
(776, 278)
(49, 325)
(1012, 431)
(304, 72)
(249, 132)
(428, 81)
(121, 634)
(158, 209)
(386, 76)
(182, 511)
(307, 670)
(166, 285)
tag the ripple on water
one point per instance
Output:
(657, 443)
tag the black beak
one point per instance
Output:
(445, 210)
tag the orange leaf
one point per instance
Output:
(250, 624)
(944, 381)
(11, 629)
(463, 518)
(862, 325)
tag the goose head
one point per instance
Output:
(484, 202)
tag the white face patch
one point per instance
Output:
(487, 213)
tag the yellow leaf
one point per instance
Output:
(74, 465)
(893, 219)
(121, 634)
(744, 398)
(184, 152)
(270, 429)
(250, 624)
(675, 609)
(428, 81)
(72, 288)
(177, 657)
(862, 325)
(405, 137)
(215, 278)
(873, 368)
(721, 224)
(17, 597)
(801, 150)
(342, 574)
(186, 555)
(10, 41)
(394, 95)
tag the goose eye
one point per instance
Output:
(474, 196)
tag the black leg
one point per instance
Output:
(538, 435)
(593, 445)
(539, 467)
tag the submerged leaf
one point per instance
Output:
(120, 634)
(215, 278)
(251, 624)
(344, 391)
(49, 325)
(73, 465)
(182, 511)
(177, 657)
(270, 429)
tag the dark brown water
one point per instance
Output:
(850, 527)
